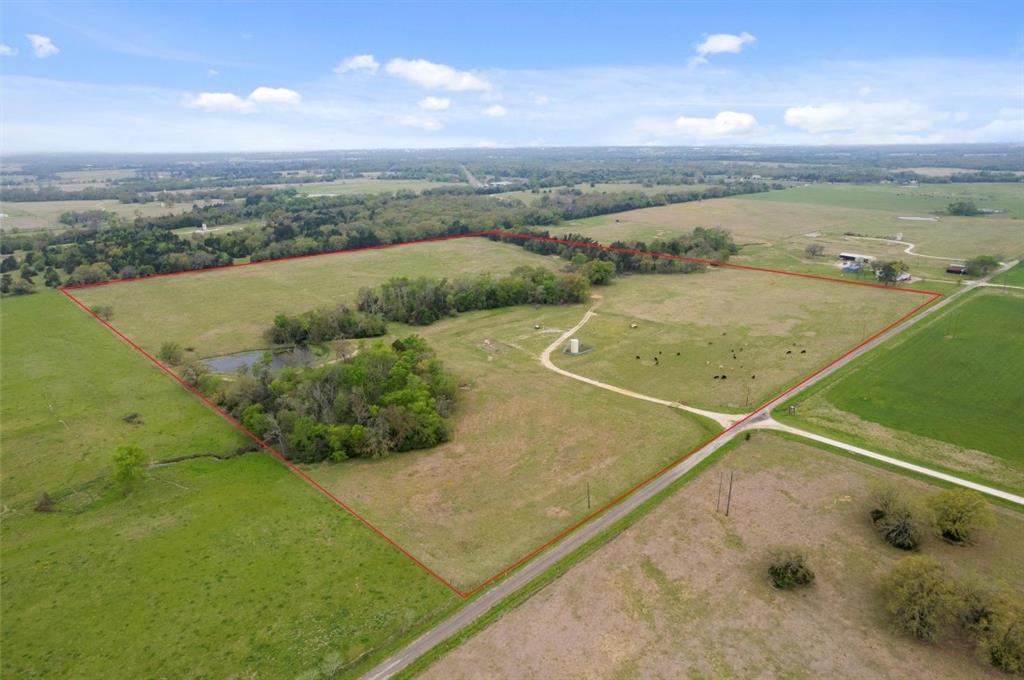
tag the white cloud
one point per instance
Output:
(435, 103)
(218, 101)
(275, 95)
(724, 124)
(42, 46)
(7, 50)
(541, 100)
(495, 111)
(212, 72)
(423, 123)
(433, 76)
(721, 43)
(229, 101)
(863, 117)
(1008, 125)
(358, 62)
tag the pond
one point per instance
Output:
(230, 363)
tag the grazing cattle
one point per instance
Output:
(803, 351)
(637, 356)
(753, 377)
(789, 351)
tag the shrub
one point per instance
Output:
(919, 597)
(788, 569)
(171, 353)
(960, 513)
(894, 520)
(129, 461)
(994, 621)
(105, 312)
(45, 503)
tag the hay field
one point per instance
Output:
(526, 445)
(223, 311)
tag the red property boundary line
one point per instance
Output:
(465, 594)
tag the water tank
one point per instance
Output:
(574, 346)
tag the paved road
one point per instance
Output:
(533, 569)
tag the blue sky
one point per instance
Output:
(289, 76)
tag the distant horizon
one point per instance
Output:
(916, 148)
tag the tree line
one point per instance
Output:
(301, 225)
(423, 301)
(712, 244)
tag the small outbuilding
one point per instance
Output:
(956, 269)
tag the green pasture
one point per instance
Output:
(762, 331)
(231, 568)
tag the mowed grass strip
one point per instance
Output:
(527, 446)
(761, 331)
(209, 569)
(227, 310)
(958, 379)
(68, 384)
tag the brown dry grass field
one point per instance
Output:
(683, 593)
(526, 444)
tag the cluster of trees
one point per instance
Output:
(982, 265)
(957, 515)
(423, 301)
(712, 244)
(923, 601)
(379, 400)
(324, 324)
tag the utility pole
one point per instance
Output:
(588, 495)
(718, 503)
(728, 500)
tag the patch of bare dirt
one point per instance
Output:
(683, 593)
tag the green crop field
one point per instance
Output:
(225, 311)
(210, 568)
(527, 445)
(762, 331)
(1013, 277)
(973, 403)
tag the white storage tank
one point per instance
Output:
(574, 346)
